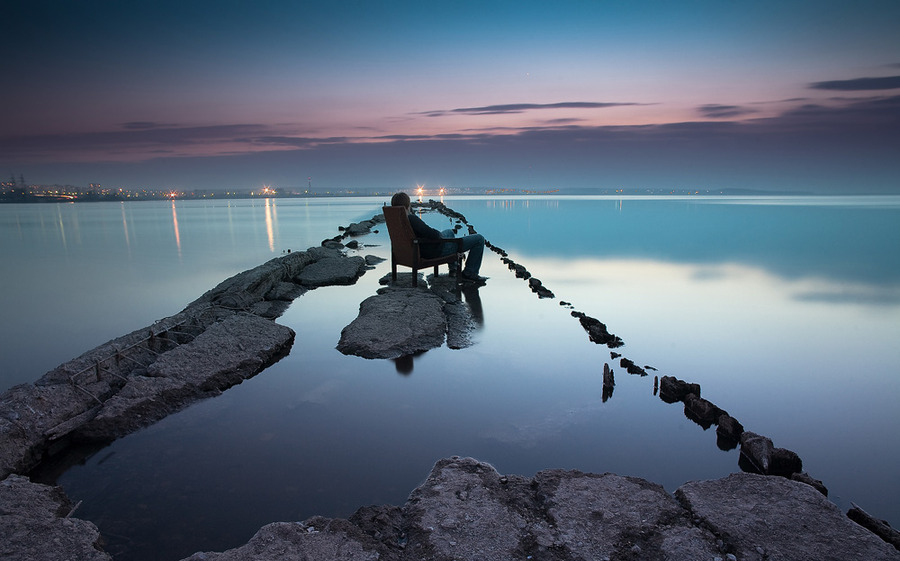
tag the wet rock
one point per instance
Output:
(728, 432)
(538, 288)
(287, 291)
(775, 518)
(785, 462)
(372, 260)
(360, 228)
(352, 244)
(756, 453)
(226, 354)
(671, 389)
(35, 524)
(631, 367)
(597, 331)
(878, 527)
(332, 271)
(701, 411)
(816, 484)
(402, 321)
(251, 286)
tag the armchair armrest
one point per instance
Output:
(457, 241)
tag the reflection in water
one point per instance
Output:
(62, 227)
(125, 228)
(269, 228)
(175, 225)
(404, 364)
(474, 302)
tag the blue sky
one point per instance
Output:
(789, 95)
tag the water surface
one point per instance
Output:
(786, 311)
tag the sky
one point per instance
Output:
(787, 95)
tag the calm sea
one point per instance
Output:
(785, 310)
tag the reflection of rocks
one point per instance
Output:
(467, 510)
(609, 382)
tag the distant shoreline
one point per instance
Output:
(29, 198)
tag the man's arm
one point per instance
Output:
(421, 229)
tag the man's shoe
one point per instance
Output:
(467, 277)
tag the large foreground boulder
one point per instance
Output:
(35, 524)
(467, 510)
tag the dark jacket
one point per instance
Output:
(422, 230)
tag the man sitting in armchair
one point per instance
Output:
(473, 243)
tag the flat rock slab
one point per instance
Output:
(773, 518)
(227, 353)
(331, 271)
(397, 322)
(34, 525)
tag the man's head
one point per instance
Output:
(400, 199)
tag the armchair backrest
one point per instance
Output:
(402, 236)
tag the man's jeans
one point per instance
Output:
(473, 243)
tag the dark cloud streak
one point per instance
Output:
(859, 84)
(514, 108)
(715, 111)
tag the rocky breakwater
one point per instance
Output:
(467, 510)
(224, 337)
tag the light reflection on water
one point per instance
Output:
(786, 314)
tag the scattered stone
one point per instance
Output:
(672, 389)
(631, 367)
(538, 288)
(597, 331)
(785, 463)
(879, 527)
(360, 228)
(701, 411)
(804, 477)
(728, 432)
(756, 453)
